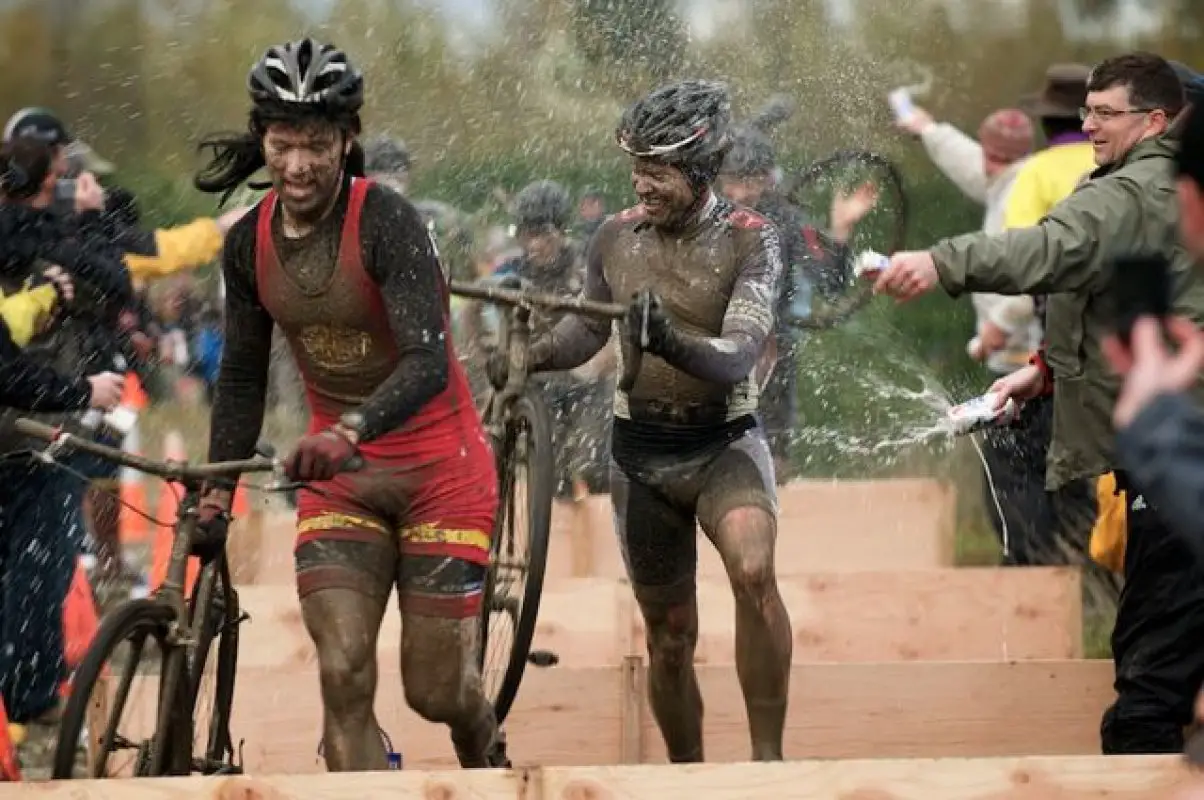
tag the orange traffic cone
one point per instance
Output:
(10, 769)
(242, 504)
(168, 508)
(134, 527)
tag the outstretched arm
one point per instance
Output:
(578, 338)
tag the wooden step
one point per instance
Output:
(1032, 778)
(914, 615)
(572, 717)
(823, 526)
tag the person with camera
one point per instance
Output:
(1128, 203)
(41, 528)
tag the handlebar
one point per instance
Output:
(177, 471)
(551, 302)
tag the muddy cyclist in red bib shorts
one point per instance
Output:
(347, 270)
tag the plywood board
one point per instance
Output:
(1034, 778)
(575, 717)
(823, 526)
(1038, 778)
(912, 615)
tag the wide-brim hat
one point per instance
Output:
(1062, 95)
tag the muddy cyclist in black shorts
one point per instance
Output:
(687, 444)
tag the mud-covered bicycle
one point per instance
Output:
(520, 430)
(885, 231)
(185, 628)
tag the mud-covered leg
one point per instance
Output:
(764, 642)
(660, 551)
(344, 624)
(344, 586)
(671, 625)
(440, 608)
(735, 509)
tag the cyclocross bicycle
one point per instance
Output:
(520, 430)
(884, 230)
(185, 630)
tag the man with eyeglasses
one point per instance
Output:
(1128, 204)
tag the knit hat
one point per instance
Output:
(1007, 134)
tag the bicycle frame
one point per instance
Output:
(514, 334)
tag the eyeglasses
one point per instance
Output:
(1106, 114)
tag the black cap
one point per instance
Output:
(37, 123)
(1189, 160)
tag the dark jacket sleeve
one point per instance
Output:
(1162, 451)
(27, 385)
(242, 383)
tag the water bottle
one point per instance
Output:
(900, 104)
(870, 265)
(980, 413)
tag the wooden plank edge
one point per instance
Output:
(1027, 778)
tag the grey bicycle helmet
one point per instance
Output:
(753, 153)
(386, 154)
(542, 204)
(683, 123)
(306, 73)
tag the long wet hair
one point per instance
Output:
(25, 162)
(238, 156)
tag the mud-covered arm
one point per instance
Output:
(578, 338)
(399, 257)
(731, 356)
(242, 381)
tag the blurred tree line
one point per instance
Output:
(538, 95)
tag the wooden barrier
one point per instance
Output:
(823, 526)
(572, 717)
(1034, 778)
(953, 614)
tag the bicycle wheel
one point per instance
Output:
(217, 604)
(514, 583)
(883, 229)
(99, 695)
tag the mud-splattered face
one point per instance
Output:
(744, 191)
(664, 191)
(305, 162)
(541, 245)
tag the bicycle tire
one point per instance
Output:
(221, 620)
(149, 615)
(842, 310)
(528, 413)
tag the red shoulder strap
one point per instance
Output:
(265, 250)
(351, 246)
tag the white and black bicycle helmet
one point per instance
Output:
(685, 124)
(306, 73)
